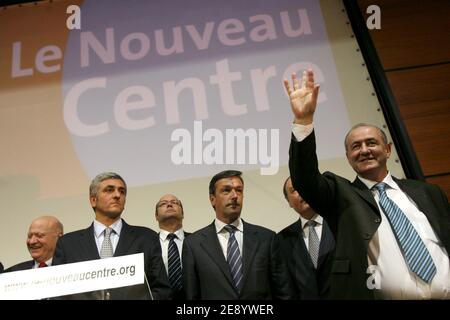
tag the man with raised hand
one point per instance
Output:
(392, 235)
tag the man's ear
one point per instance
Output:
(93, 201)
(212, 199)
(388, 150)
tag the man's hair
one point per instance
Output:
(93, 188)
(382, 133)
(59, 227)
(284, 188)
(223, 175)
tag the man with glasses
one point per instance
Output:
(169, 214)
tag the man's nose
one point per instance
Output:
(117, 194)
(364, 148)
(32, 240)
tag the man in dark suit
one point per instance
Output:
(308, 246)
(374, 217)
(1, 267)
(109, 235)
(43, 234)
(232, 259)
(170, 214)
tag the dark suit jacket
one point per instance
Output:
(354, 217)
(80, 246)
(21, 266)
(206, 274)
(309, 283)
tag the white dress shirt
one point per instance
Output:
(165, 245)
(99, 233)
(224, 235)
(399, 282)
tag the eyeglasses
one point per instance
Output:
(172, 202)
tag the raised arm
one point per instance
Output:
(303, 98)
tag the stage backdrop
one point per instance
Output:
(166, 94)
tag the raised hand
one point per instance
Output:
(303, 99)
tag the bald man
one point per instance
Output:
(169, 214)
(43, 234)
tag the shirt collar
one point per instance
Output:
(164, 233)
(48, 263)
(317, 218)
(100, 227)
(220, 225)
(387, 180)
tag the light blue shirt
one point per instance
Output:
(99, 232)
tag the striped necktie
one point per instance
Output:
(234, 257)
(174, 263)
(414, 251)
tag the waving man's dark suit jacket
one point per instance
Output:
(206, 274)
(80, 246)
(309, 283)
(354, 217)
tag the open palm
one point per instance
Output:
(303, 98)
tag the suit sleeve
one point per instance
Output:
(315, 188)
(280, 279)
(190, 279)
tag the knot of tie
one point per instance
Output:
(230, 228)
(172, 236)
(311, 223)
(381, 187)
(42, 265)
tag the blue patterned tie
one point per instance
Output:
(416, 254)
(234, 257)
(174, 263)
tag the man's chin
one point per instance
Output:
(114, 214)
(234, 214)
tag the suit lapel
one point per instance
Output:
(298, 245)
(250, 246)
(326, 243)
(212, 247)
(423, 203)
(362, 190)
(127, 236)
(87, 243)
